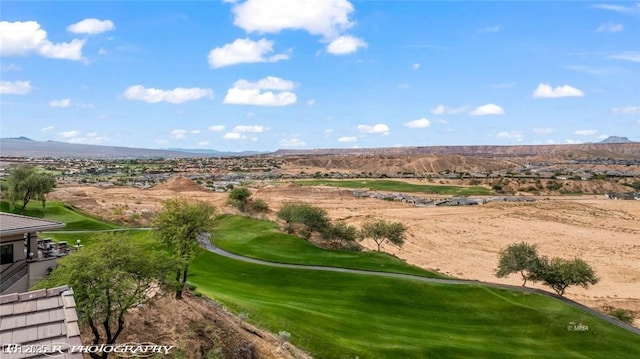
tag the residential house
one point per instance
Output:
(24, 259)
(39, 324)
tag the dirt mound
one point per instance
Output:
(201, 328)
(179, 184)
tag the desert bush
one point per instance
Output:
(284, 336)
(622, 315)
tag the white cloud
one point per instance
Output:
(415, 66)
(488, 109)
(85, 105)
(419, 123)
(632, 56)
(267, 83)
(244, 92)
(572, 142)
(328, 18)
(91, 26)
(249, 128)
(60, 103)
(592, 70)
(488, 29)
(311, 102)
(328, 130)
(255, 97)
(175, 96)
(243, 51)
(378, 128)
(292, 142)
(47, 129)
(511, 135)
(629, 10)
(348, 139)
(628, 110)
(216, 128)
(69, 134)
(203, 143)
(345, 45)
(9, 67)
(15, 87)
(503, 85)
(233, 136)
(25, 38)
(194, 132)
(442, 110)
(546, 91)
(543, 131)
(179, 134)
(585, 132)
(610, 27)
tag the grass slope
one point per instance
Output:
(399, 186)
(338, 315)
(58, 211)
(262, 240)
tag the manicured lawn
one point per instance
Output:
(58, 211)
(399, 186)
(338, 315)
(262, 240)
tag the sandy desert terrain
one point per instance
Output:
(460, 241)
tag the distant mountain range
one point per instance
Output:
(616, 139)
(24, 147)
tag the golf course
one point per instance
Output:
(345, 315)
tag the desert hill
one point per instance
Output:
(606, 150)
(615, 147)
(394, 164)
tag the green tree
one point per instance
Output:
(258, 205)
(239, 197)
(560, 273)
(312, 218)
(517, 257)
(341, 231)
(24, 183)
(179, 224)
(108, 278)
(381, 231)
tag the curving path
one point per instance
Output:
(212, 248)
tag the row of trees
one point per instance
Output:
(306, 219)
(557, 273)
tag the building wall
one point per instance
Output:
(18, 248)
(38, 269)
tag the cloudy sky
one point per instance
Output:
(269, 74)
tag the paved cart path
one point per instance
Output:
(212, 248)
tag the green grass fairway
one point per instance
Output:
(399, 186)
(262, 240)
(339, 315)
(342, 315)
(58, 211)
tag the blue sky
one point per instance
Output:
(269, 74)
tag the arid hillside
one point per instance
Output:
(393, 165)
(199, 328)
